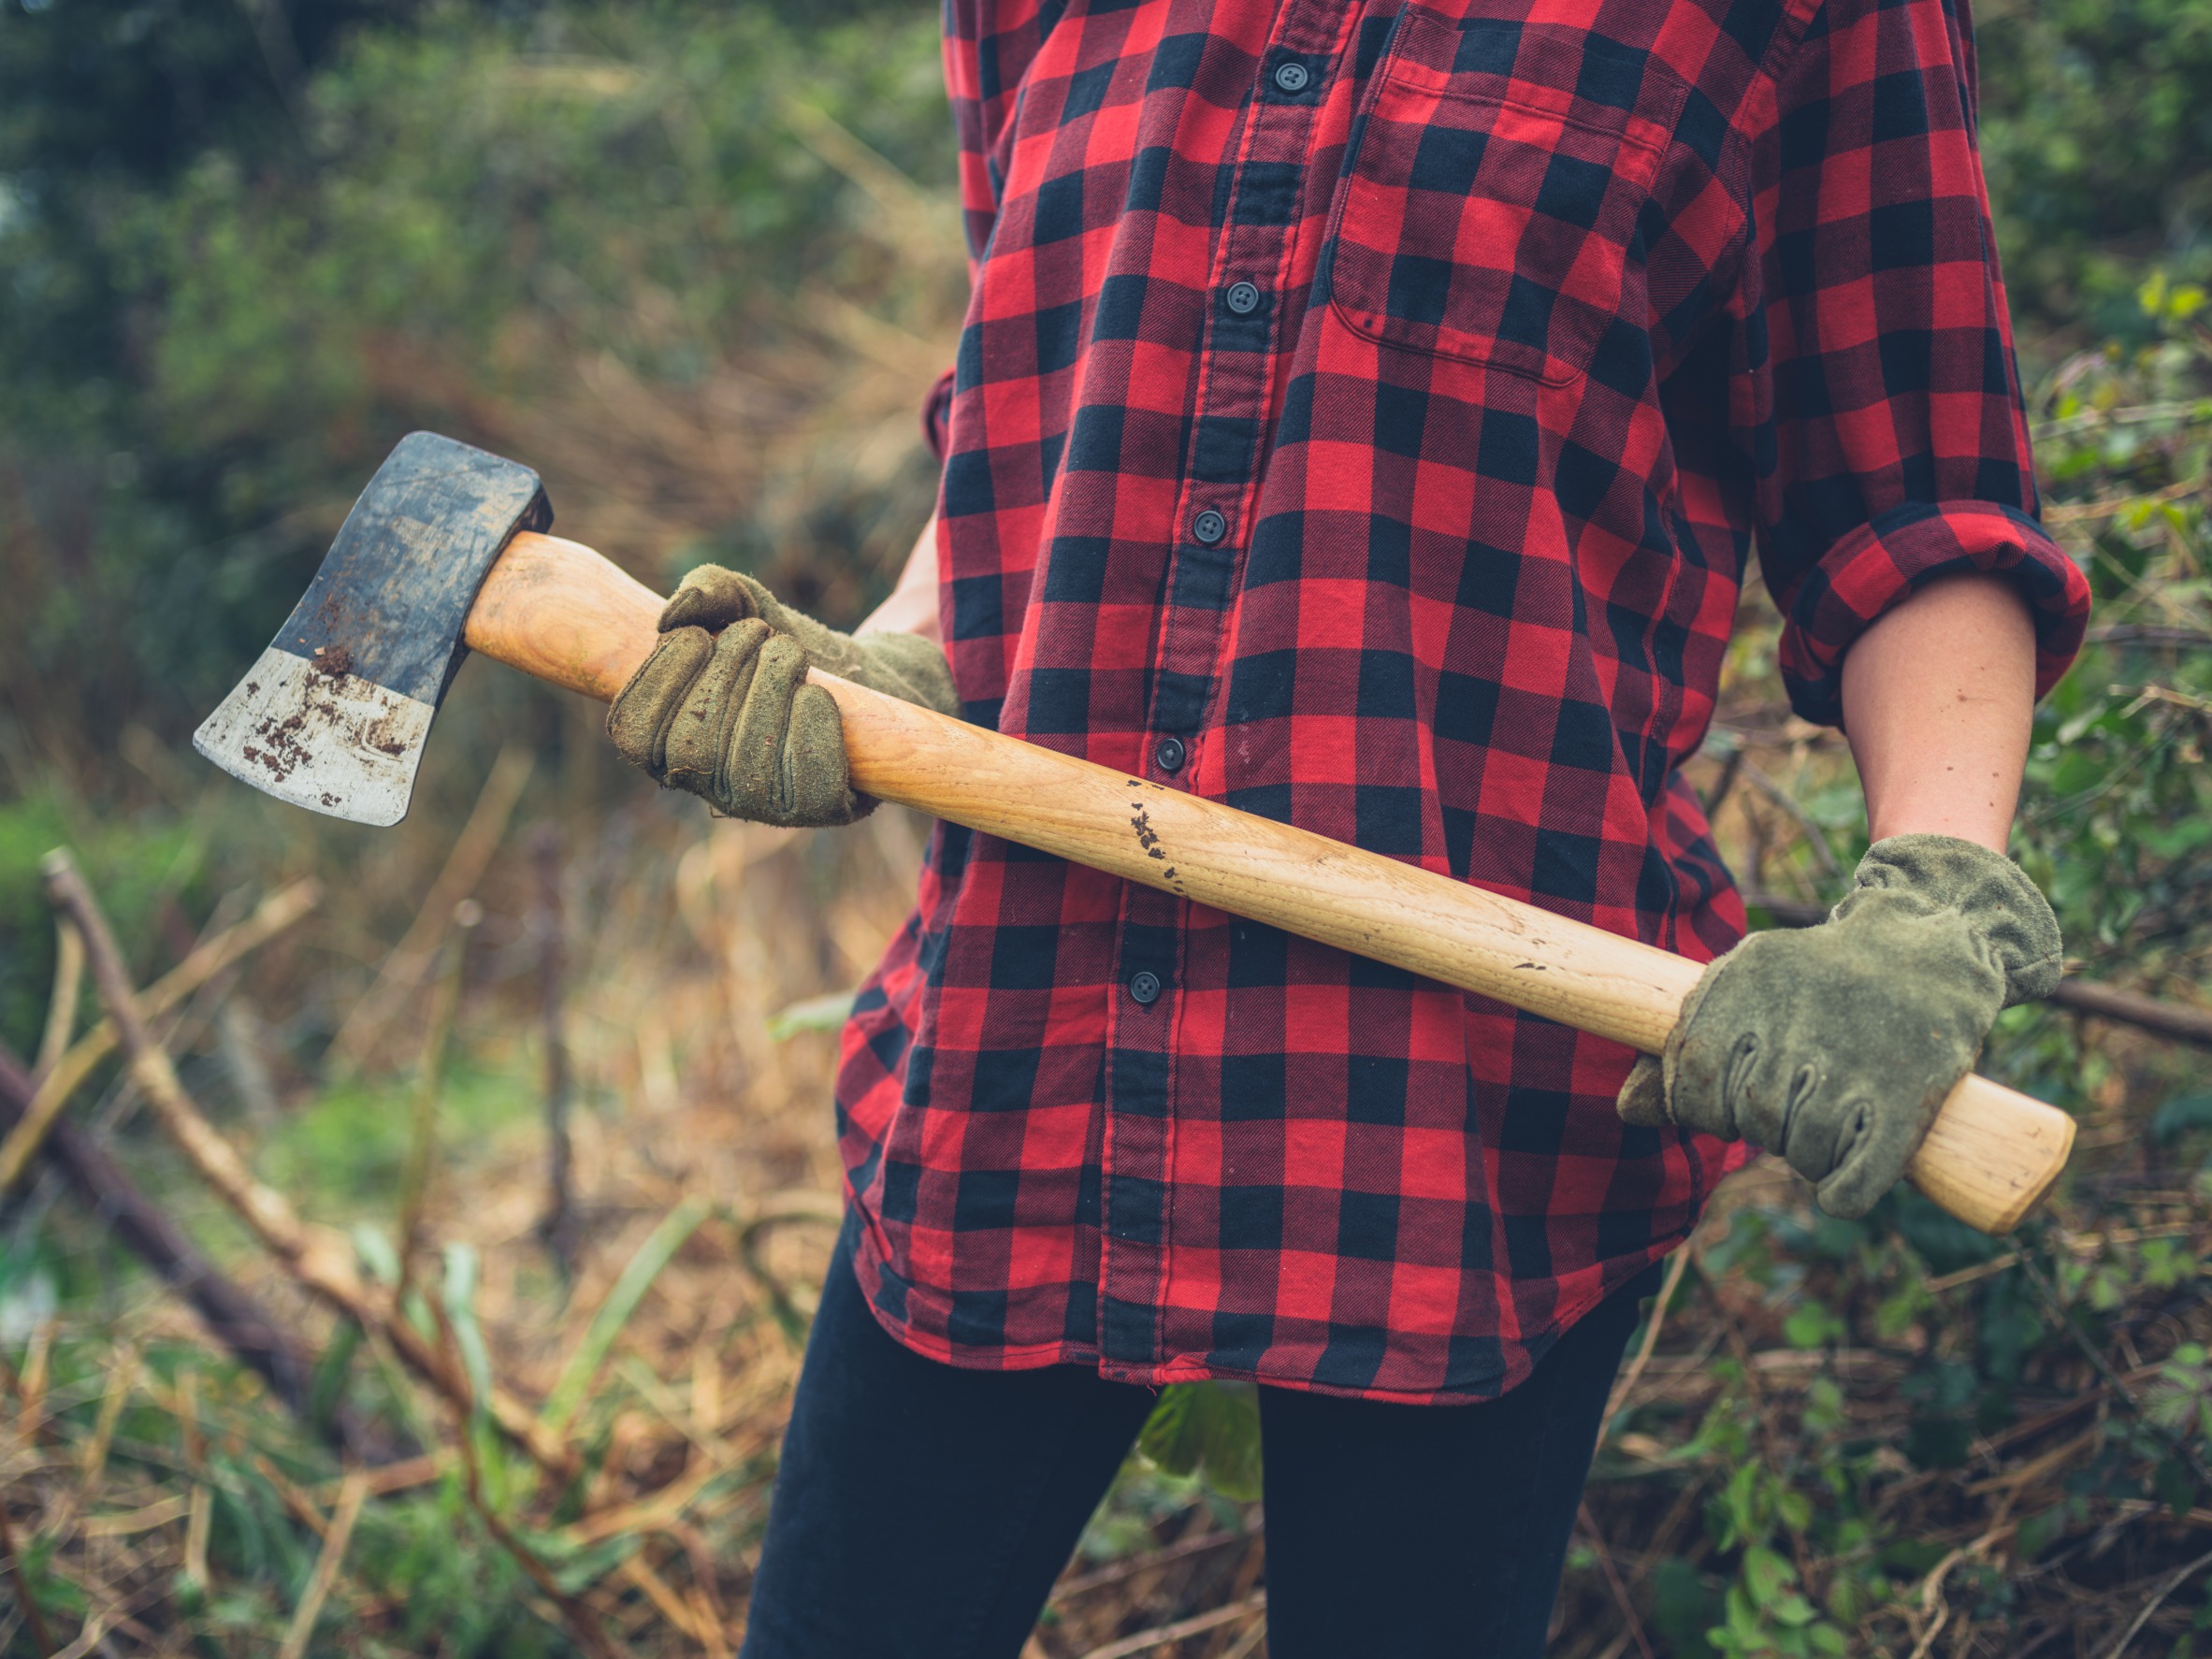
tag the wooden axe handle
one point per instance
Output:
(561, 613)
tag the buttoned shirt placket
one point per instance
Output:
(1243, 355)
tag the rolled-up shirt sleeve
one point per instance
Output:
(1887, 429)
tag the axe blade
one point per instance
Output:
(334, 715)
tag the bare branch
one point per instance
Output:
(276, 914)
(319, 1259)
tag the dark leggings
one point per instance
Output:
(922, 1511)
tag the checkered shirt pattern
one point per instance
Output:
(1364, 416)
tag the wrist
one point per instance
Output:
(1967, 827)
(909, 610)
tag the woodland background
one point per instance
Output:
(538, 1081)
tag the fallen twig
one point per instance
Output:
(61, 1007)
(406, 1473)
(1612, 1582)
(122, 1374)
(41, 1639)
(276, 913)
(2107, 1002)
(1626, 1385)
(318, 1258)
(1146, 1640)
(775, 1212)
(2174, 1582)
(2074, 512)
(1145, 1563)
(1724, 786)
(350, 1499)
(231, 1316)
(558, 1226)
(302, 1507)
(180, 1030)
(692, 1620)
(2135, 633)
(654, 1511)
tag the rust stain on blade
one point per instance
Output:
(311, 732)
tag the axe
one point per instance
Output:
(445, 552)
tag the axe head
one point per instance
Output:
(334, 714)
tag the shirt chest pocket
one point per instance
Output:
(1485, 217)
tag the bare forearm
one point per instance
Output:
(912, 608)
(1938, 699)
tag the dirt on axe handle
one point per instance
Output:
(561, 613)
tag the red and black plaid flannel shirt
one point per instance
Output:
(1362, 416)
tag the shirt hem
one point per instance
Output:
(868, 1265)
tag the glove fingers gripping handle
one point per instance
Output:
(785, 762)
(708, 597)
(699, 745)
(644, 713)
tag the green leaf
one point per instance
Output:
(327, 1384)
(655, 1253)
(1209, 1429)
(1810, 1325)
(815, 1014)
(1793, 1509)
(1683, 1608)
(373, 1248)
(461, 1274)
(1939, 1442)
(1793, 1610)
(576, 1567)
(2180, 1116)
(1767, 1575)
(2175, 1486)
(1912, 1558)
(2040, 1531)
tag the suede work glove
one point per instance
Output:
(1835, 1045)
(721, 708)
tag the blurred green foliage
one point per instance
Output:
(1212, 1431)
(349, 1145)
(136, 863)
(226, 296)
(2097, 138)
(243, 248)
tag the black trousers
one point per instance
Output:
(922, 1511)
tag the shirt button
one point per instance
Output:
(1145, 987)
(1244, 298)
(1169, 754)
(1208, 528)
(1291, 78)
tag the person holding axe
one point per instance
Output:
(1365, 414)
